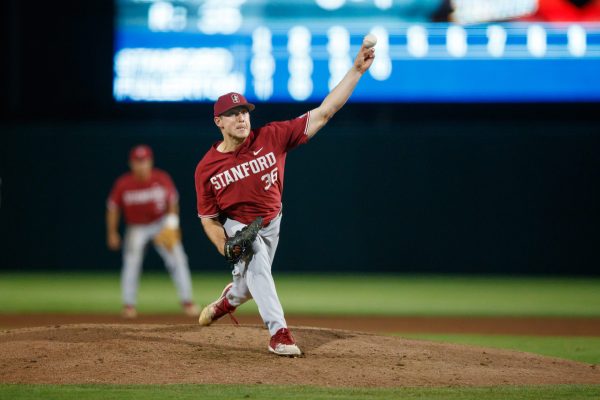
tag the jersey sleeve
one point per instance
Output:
(115, 198)
(289, 134)
(205, 198)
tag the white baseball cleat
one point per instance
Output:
(217, 309)
(283, 344)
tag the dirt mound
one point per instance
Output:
(152, 354)
(538, 326)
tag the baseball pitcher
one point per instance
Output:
(239, 184)
(148, 200)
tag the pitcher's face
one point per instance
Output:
(234, 123)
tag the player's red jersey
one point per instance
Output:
(248, 182)
(143, 202)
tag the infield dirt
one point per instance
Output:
(535, 326)
(158, 354)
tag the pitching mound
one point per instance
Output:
(153, 354)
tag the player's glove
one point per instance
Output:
(168, 238)
(240, 245)
(170, 234)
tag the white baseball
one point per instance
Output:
(369, 41)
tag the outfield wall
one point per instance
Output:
(374, 195)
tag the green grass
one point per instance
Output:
(341, 295)
(263, 392)
(577, 348)
(319, 294)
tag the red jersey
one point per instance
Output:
(143, 202)
(248, 183)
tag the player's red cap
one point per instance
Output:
(229, 101)
(141, 152)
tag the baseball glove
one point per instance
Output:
(168, 238)
(240, 245)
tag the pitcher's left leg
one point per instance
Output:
(262, 287)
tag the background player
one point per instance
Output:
(241, 178)
(149, 202)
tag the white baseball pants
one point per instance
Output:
(176, 262)
(253, 279)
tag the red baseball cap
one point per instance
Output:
(141, 152)
(229, 101)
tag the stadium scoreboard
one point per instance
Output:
(297, 50)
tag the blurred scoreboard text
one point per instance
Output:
(297, 50)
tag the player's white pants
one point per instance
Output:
(136, 241)
(253, 279)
